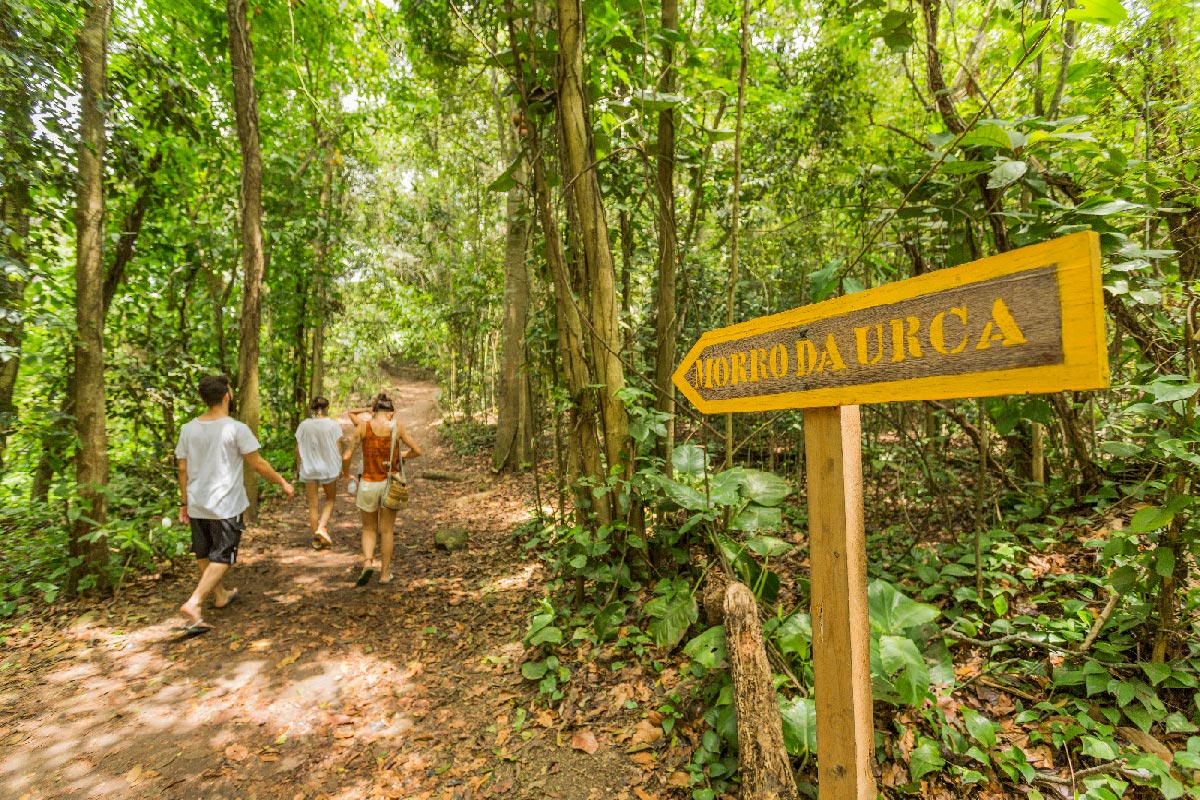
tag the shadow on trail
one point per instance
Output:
(307, 686)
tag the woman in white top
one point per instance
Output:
(320, 460)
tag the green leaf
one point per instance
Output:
(892, 612)
(1104, 206)
(1099, 748)
(894, 30)
(1164, 562)
(982, 729)
(1140, 716)
(925, 758)
(673, 612)
(547, 635)
(505, 180)
(756, 518)
(768, 546)
(689, 459)
(1123, 579)
(684, 496)
(799, 726)
(707, 649)
(533, 670)
(1157, 673)
(1006, 173)
(1121, 449)
(1102, 12)
(608, 620)
(1150, 518)
(902, 659)
(794, 636)
(764, 488)
(724, 489)
(1165, 391)
(987, 136)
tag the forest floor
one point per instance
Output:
(309, 687)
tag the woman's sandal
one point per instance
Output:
(321, 539)
(364, 577)
(387, 578)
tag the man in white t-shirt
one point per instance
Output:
(211, 452)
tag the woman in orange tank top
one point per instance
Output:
(377, 521)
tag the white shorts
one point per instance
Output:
(369, 495)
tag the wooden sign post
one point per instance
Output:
(1027, 321)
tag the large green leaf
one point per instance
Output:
(1006, 173)
(799, 726)
(892, 612)
(987, 136)
(725, 487)
(684, 496)
(794, 636)
(903, 662)
(688, 459)
(708, 649)
(768, 546)
(756, 518)
(1103, 12)
(673, 614)
(764, 488)
(980, 727)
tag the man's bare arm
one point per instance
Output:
(259, 464)
(183, 496)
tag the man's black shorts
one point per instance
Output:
(217, 539)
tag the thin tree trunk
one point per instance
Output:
(1069, 42)
(514, 429)
(241, 55)
(16, 108)
(316, 385)
(735, 221)
(91, 460)
(665, 316)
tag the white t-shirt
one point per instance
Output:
(214, 450)
(320, 456)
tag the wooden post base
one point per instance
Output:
(840, 623)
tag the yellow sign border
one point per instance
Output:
(1081, 299)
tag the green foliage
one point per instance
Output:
(468, 438)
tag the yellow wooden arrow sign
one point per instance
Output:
(1030, 320)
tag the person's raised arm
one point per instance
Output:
(183, 496)
(259, 464)
(414, 449)
(351, 442)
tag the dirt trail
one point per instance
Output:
(308, 686)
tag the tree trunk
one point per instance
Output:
(731, 289)
(583, 455)
(16, 107)
(241, 56)
(514, 424)
(763, 762)
(91, 460)
(665, 318)
(583, 191)
(320, 278)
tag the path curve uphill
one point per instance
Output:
(308, 687)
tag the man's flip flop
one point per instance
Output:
(195, 629)
(364, 577)
(232, 597)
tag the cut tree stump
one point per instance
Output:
(763, 761)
